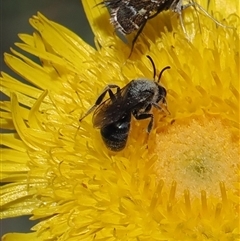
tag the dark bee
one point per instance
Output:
(113, 116)
(132, 15)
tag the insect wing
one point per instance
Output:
(110, 110)
(113, 4)
(130, 15)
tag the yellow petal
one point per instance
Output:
(98, 18)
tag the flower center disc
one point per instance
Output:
(197, 153)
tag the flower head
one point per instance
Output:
(179, 183)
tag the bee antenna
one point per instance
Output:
(160, 75)
(153, 65)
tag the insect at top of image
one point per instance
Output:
(129, 16)
(113, 115)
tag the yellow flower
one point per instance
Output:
(180, 183)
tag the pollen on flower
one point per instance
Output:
(199, 154)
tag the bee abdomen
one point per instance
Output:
(115, 135)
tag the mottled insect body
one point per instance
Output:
(128, 16)
(113, 116)
(131, 15)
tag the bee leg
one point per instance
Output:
(165, 109)
(100, 99)
(111, 95)
(143, 116)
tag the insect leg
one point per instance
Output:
(141, 28)
(136, 37)
(100, 98)
(195, 4)
(143, 116)
(107, 89)
(180, 7)
(165, 109)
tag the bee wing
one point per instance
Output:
(111, 111)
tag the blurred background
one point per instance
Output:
(14, 15)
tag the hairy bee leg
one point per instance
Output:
(107, 89)
(165, 109)
(100, 99)
(143, 116)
